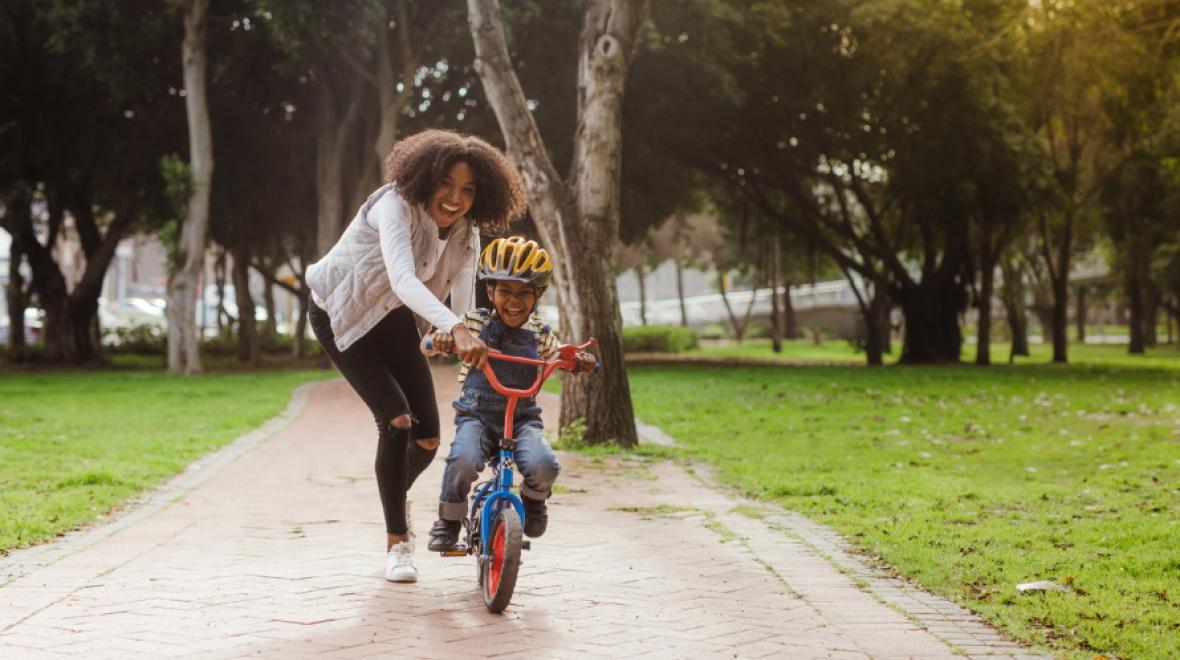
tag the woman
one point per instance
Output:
(413, 242)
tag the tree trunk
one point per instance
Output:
(1151, 312)
(583, 211)
(1134, 286)
(776, 317)
(87, 334)
(332, 143)
(268, 300)
(183, 356)
(1080, 313)
(299, 341)
(58, 329)
(739, 326)
(15, 291)
(875, 337)
(219, 284)
(1018, 325)
(1059, 278)
(389, 99)
(1061, 320)
(680, 292)
(932, 333)
(984, 329)
(790, 327)
(248, 350)
(71, 331)
(639, 277)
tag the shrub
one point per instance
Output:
(142, 339)
(573, 436)
(223, 345)
(27, 354)
(659, 339)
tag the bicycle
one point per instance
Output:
(496, 520)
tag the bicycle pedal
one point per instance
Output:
(457, 551)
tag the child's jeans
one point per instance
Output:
(476, 443)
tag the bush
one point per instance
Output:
(226, 344)
(659, 339)
(142, 339)
(223, 345)
(27, 354)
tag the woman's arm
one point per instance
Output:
(463, 290)
(393, 226)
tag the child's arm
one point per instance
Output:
(586, 362)
(548, 343)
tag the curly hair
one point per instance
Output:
(417, 165)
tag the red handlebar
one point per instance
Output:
(567, 359)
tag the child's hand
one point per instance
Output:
(441, 344)
(586, 362)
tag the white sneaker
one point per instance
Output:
(399, 563)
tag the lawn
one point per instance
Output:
(838, 351)
(75, 445)
(969, 480)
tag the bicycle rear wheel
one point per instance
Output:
(498, 578)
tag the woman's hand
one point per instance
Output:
(440, 344)
(586, 362)
(471, 349)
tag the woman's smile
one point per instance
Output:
(454, 196)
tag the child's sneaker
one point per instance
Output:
(444, 534)
(536, 517)
(399, 563)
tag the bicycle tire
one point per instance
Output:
(498, 579)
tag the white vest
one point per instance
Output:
(352, 281)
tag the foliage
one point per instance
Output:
(572, 436)
(659, 339)
(142, 339)
(968, 481)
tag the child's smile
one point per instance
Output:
(514, 301)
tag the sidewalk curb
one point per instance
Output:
(22, 561)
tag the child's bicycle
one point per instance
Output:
(495, 523)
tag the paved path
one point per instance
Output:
(273, 548)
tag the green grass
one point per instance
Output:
(797, 350)
(838, 351)
(75, 445)
(969, 480)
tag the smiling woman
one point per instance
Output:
(412, 243)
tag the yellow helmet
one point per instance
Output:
(516, 258)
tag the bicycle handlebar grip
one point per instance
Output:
(429, 344)
(597, 367)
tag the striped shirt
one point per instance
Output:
(547, 342)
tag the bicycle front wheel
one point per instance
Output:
(503, 562)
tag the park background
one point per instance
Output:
(760, 201)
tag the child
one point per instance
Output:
(516, 272)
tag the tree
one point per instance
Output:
(183, 342)
(87, 130)
(1076, 56)
(581, 210)
(688, 240)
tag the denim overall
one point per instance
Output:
(480, 400)
(479, 424)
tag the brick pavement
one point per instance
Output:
(273, 548)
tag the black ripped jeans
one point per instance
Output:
(393, 378)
